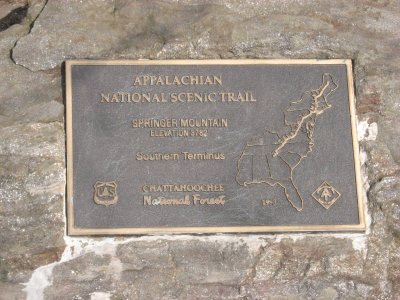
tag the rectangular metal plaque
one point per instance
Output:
(210, 146)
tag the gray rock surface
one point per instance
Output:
(33, 249)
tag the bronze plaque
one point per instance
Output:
(187, 146)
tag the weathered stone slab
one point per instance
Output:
(350, 266)
(212, 146)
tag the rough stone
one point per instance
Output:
(26, 97)
(32, 162)
(156, 270)
(31, 198)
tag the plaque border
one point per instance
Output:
(75, 231)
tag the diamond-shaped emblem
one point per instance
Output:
(326, 194)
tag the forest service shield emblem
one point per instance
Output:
(105, 193)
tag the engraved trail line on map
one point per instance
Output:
(272, 157)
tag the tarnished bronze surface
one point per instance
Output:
(211, 146)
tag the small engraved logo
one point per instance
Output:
(326, 195)
(105, 193)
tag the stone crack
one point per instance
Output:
(16, 16)
(31, 25)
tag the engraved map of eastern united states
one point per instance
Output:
(272, 157)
